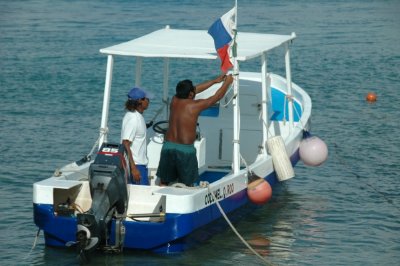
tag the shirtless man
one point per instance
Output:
(178, 161)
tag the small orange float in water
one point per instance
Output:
(259, 191)
(371, 97)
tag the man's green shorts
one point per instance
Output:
(178, 163)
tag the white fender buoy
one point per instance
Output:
(313, 151)
(282, 165)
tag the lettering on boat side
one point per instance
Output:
(219, 194)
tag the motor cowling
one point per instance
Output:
(108, 176)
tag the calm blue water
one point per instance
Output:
(346, 212)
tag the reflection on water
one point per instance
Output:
(288, 218)
(260, 244)
(282, 239)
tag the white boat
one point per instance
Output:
(232, 148)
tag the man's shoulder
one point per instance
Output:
(181, 102)
(129, 115)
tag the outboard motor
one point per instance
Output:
(108, 176)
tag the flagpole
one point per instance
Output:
(236, 110)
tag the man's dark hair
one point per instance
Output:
(132, 105)
(183, 88)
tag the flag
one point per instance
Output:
(222, 32)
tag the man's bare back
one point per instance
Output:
(185, 112)
(182, 121)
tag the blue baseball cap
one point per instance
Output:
(137, 93)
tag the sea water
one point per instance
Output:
(345, 212)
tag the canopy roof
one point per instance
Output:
(175, 43)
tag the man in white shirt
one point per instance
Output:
(133, 135)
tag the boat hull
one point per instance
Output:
(176, 233)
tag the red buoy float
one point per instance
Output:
(371, 97)
(259, 191)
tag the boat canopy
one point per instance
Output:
(169, 43)
(175, 43)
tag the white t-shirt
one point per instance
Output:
(134, 129)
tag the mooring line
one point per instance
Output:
(33, 246)
(343, 163)
(235, 231)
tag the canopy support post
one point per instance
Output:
(289, 86)
(236, 121)
(138, 76)
(236, 110)
(106, 100)
(265, 99)
(165, 86)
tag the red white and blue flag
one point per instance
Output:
(222, 33)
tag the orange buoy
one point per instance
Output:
(259, 191)
(371, 97)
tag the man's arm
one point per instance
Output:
(203, 104)
(207, 84)
(134, 171)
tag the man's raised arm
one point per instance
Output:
(207, 84)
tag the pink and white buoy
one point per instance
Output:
(259, 191)
(313, 151)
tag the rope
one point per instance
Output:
(234, 229)
(291, 99)
(35, 241)
(158, 112)
(231, 99)
(103, 131)
(86, 158)
(34, 244)
(58, 173)
(298, 115)
(284, 110)
(245, 163)
(343, 163)
(265, 124)
(269, 133)
(77, 207)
